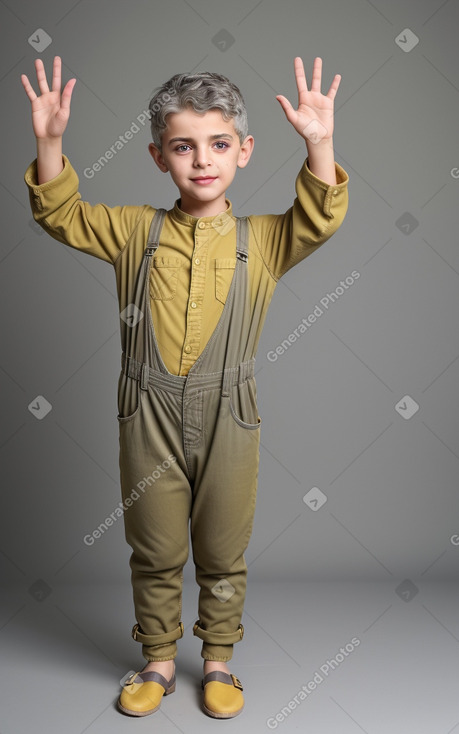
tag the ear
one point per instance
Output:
(246, 151)
(157, 157)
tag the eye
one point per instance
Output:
(221, 142)
(184, 145)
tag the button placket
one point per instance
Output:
(193, 330)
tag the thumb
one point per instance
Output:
(286, 106)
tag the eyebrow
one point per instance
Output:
(211, 137)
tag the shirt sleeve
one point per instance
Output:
(317, 212)
(98, 230)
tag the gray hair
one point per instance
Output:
(201, 92)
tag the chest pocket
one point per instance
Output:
(163, 277)
(224, 271)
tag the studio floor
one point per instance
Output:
(328, 658)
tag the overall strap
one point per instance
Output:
(155, 230)
(242, 239)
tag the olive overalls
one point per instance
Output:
(189, 450)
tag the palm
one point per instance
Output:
(315, 110)
(47, 117)
(50, 111)
(314, 105)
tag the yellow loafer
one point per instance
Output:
(223, 697)
(142, 693)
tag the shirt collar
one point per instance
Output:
(189, 220)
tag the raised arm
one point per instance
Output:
(313, 119)
(50, 115)
(321, 186)
(99, 230)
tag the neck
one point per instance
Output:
(203, 208)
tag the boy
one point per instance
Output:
(192, 306)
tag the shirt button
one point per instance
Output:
(335, 191)
(193, 305)
(201, 225)
(187, 349)
(197, 261)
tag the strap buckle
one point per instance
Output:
(236, 682)
(131, 679)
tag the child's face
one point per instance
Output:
(201, 145)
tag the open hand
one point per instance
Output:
(313, 119)
(50, 111)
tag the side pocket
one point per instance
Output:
(128, 398)
(243, 404)
(224, 271)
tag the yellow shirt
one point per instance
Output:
(194, 263)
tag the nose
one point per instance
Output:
(201, 156)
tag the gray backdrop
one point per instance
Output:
(359, 445)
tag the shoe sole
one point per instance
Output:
(218, 715)
(130, 712)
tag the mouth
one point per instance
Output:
(204, 179)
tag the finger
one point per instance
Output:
(28, 87)
(316, 75)
(67, 94)
(301, 82)
(334, 86)
(57, 65)
(41, 76)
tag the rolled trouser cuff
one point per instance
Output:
(218, 638)
(220, 653)
(153, 640)
(160, 653)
